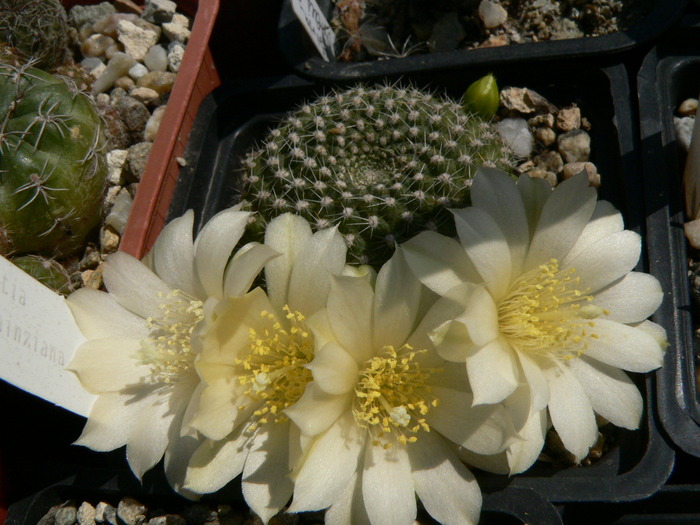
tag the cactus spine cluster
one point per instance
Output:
(52, 168)
(382, 163)
(37, 28)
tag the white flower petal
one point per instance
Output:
(495, 192)
(177, 458)
(334, 370)
(496, 463)
(654, 330)
(387, 485)
(217, 410)
(99, 315)
(321, 258)
(611, 392)
(534, 193)
(108, 365)
(486, 247)
(438, 477)
(214, 245)
(452, 341)
(563, 218)
(245, 266)
(522, 454)
(485, 429)
(571, 412)
(624, 347)
(349, 509)
(631, 299)
(536, 382)
(173, 255)
(286, 234)
(215, 463)
(134, 286)
(439, 262)
(606, 260)
(397, 296)
(111, 419)
(266, 483)
(605, 221)
(332, 461)
(317, 410)
(493, 372)
(350, 314)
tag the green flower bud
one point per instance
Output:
(482, 97)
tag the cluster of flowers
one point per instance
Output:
(353, 390)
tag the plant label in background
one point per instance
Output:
(316, 25)
(38, 337)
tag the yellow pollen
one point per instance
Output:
(168, 350)
(392, 395)
(274, 370)
(545, 313)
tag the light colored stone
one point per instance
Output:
(95, 45)
(81, 15)
(104, 512)
(537, 173)
(65, 515)
(115, 165)
(156, 59)
(569, 119)
(98, 70)
(169, 519)
(137, 40)
(692, 233)
(546, 136)
(93, 279)
(118, 66)
(145, 95)
(684, 130)
(574, 168)
(86, 512)
(688, 107)
(160, 81)
(550, 161)
(110, 197)
(178, 29)
(492, 14)
(91, 63)
(175, 53)
(131, 511)
(119, 214)
(109, 242)
(126, 83)
(525, 101)
(515, 133)
(109, 25)
(159, 11)
(153, 124)
(574, 146)
(137, 71)
(546, 120)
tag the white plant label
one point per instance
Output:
(38, 337)
(316, 25)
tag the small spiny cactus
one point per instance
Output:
(37, 28)
(47, 271)
(382, 163)
(52, 168)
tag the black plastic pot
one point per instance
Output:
(670, 73)
(235, 116)
(303, 57)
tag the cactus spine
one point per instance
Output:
(382, 163)
(52, 169)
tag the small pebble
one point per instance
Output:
(574, 168)
(525, 101)
(546, 136)
(153, 124)
(125, 83)
(66, 515)
(492, 14)
(160, 81)
(569, 119)
(109, 25)
(110, 198)
(549, 161)
(136, 160)
(90, 260)
(95, 45)
(118, 66)
(688, 107)
(159, 11)
(156, 59)
(93, 279)
(178, 29)
(133, 113)
(129, 510)
(168, 519)
(546, 120)
(145, 95)
(81, 15)
(136, 39)
(98, 70)
(175, 53)
(137, 71)
(574, 146)
(684, 130)
(119, 214)
(692, 233)
(86, 512)
(516, 134)
(537, 173)
(115, 165)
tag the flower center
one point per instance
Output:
(274, 370)
(168, 350)
(392, 395)
(546, 314)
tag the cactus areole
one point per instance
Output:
(381, 163)
(52, 167)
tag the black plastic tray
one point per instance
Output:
(235, 116)
(300, 53)
(669, 74)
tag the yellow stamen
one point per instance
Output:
(392, 395)
(274, 370)
(545, 313)
(168, 350)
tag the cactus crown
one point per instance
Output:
(37, 28)
(382, 163)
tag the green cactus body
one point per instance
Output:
(52, 169)
(381, 163)
(47, 271)
(38, 28)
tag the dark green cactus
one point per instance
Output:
(383, 163)
(47, 271)
(37, 28)
(52, 168)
